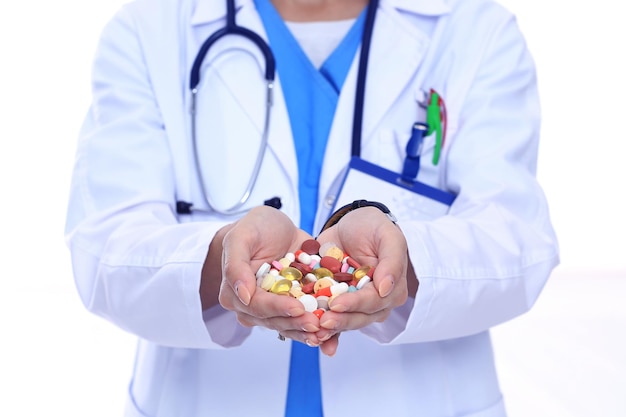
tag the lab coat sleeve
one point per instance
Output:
(134, 263)
(487, 260)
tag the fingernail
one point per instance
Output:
(338, 308)
(310, 328)
(329, 324)
(295, 312)
(242, 293)
(385, 287)
(325, 338)
(311, 344)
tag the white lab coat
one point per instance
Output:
(137, 263)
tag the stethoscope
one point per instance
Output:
(232, 28)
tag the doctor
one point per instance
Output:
(181, 276)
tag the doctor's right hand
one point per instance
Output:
(261, 235)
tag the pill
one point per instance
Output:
(281, 286)
(342, 277)
(309, 302)
(310, 246)
(362, 282)
(296, 292)
(338, 289)
(285, 261)
(322, 273)
(292, 274)
(354, 264)
(323, 283)
(290, 256)
(277, 265)
(325, 247)
(310, 277)
(308, 288)
(305, 269)
(304, 258)
(263, 269)
(324, 291)
(322, 301)
(318, 312)
(361, 272)
(335, 252)
(330, 263)
(268, 281)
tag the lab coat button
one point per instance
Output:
(330, 201)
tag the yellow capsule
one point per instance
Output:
(290, 273)
(361, 272)
(323, 272)
(335, 252)
(281, 286)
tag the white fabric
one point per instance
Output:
(319, 39)
(137, 263)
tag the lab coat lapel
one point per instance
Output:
(394, 61)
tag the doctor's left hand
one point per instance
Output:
(369, 237)
(261, 235)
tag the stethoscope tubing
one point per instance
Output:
(232, 28)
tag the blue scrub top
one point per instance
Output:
(311, 96)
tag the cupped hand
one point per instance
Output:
(263, 235)
(369, 237)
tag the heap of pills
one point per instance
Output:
(314, 274)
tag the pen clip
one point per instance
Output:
(413, 152)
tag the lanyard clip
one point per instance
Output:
(413, 152)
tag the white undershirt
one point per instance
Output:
(319, 39)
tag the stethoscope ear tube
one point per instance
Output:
(231, 28)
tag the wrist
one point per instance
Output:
(342, 211)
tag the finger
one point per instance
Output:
(309, 339)
(263, 305)
(304, 323)
(329, 347)
(340, 322)
(366, 300)
(302, 329)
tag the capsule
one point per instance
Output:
(291, 273)
(282, 287)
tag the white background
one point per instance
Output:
(565, 358)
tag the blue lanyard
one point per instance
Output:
(357, 123)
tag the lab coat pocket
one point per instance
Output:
(390, 151)
(387, 150)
